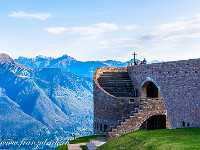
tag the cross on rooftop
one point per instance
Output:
(134, 57)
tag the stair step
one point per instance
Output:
(114, 130)
(114, 80)
(116, 89)
(119, 121)
(127, 120)
(117, 135)
(122, 123)
(118, 84)
(132, 117)
(122, 85)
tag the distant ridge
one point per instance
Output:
(49, 102)
(69, 64)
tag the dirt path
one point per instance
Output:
(75, 146)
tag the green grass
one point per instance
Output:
(174, 139)
(84, 139)
(83, 147)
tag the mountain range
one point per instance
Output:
(43, 102)
(69, 64)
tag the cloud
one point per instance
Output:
(117, 41)
(90, 30)
(94, 29)
(108, 26)
(130, 27)
(174, 30)
(57, 30)
(21, 14)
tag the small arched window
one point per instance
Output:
(100, 126)
(183, 123)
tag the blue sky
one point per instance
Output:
(101, 29)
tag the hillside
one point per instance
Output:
(68, 64)
(47, 102)
(176, 139)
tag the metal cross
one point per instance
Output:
(134, 57)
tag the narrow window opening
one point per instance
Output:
(100, 126)
(152, 90)
(183, 123)
(95, 125)
(105, 127)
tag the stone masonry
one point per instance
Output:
(178, 98)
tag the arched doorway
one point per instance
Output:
(156, 119)
(150, 90)
(156, 122)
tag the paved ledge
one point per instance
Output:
(94, 143)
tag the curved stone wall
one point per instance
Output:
(107, 109)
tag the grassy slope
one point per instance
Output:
(84, 139)
(63, 147)
(179, 139)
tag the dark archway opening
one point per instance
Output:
(152, 90)
(156, 122)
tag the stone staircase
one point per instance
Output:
(134, 120)
(118, 84)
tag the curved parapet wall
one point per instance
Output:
(179, 85)
(107, 109)
(101, 70)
